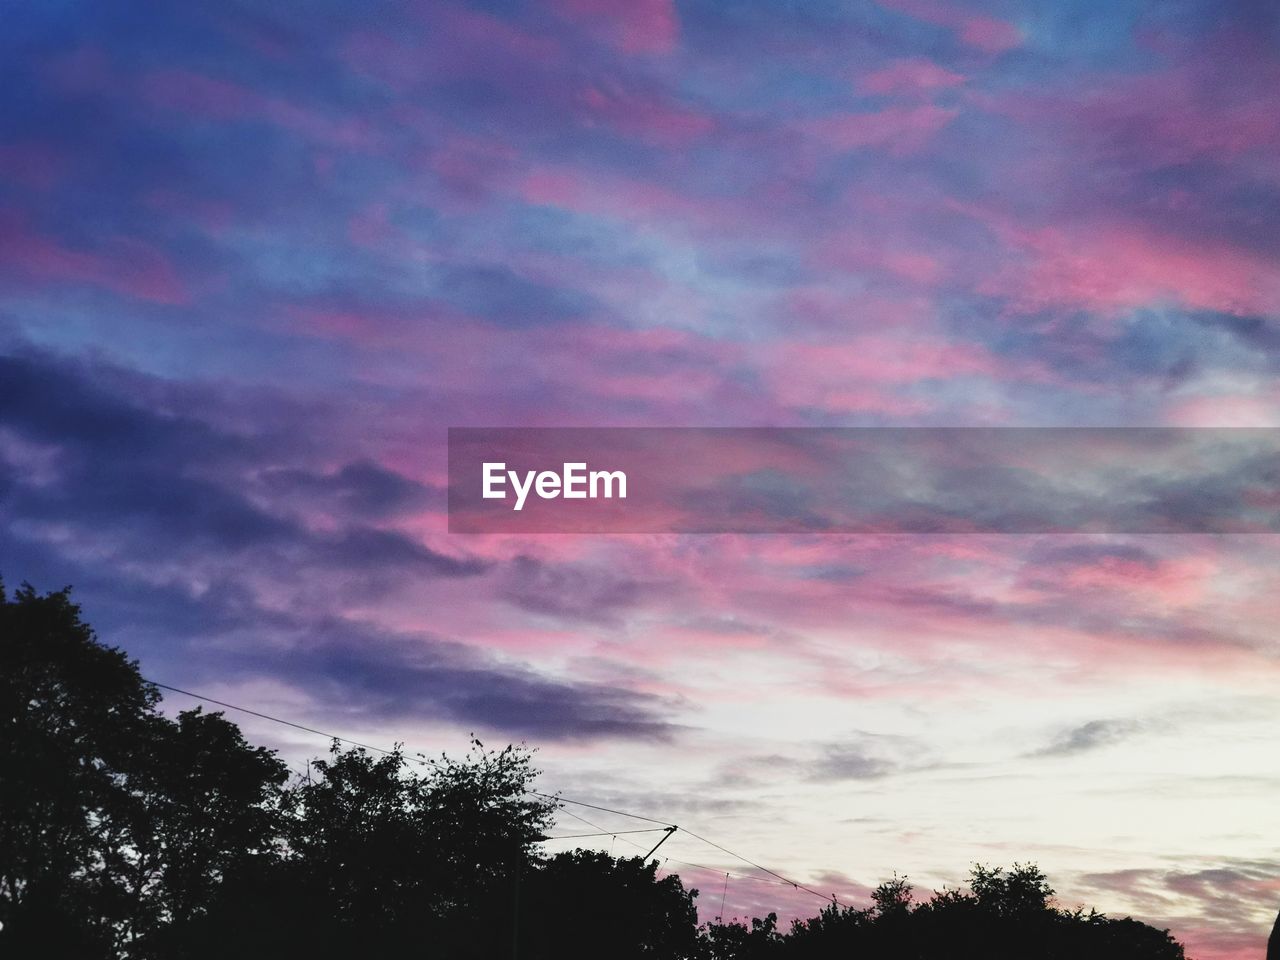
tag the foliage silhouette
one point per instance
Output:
(580, 900)
(736, 940)
(115, 822)
(375, 860)
(125, 834)
(1006, 916)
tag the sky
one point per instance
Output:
(255, 260)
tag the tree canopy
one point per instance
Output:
(125, 833)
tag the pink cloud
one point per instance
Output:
(473, 29)
(1117, 266)
(1109, 264)
(877, 254)
(1216, 103)
(209, 98)
(910, 76)
(612, 196)
(1219, 911)
(597, 371)
(826, 307)
(1205, 941)
(1261, 409)
(122, 265)
(371, 227)
(662, 203)
(527, 65)
(647, 117)
(1170, 583)
(897, 130)
(1211, 102)
(981, 32)
(681, 364)
(864, 373)
(459, 42)
(471, 167)
(633, 26)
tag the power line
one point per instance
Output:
(289, 723)
(580, 803)
(421, 759)
(589, 823)
(774, 878)
(798, 886)
(578, 836)
(684, 863)
(724, 892)
(717, 871)
(778, 878)
(417, 758)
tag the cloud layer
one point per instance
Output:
(254, 264)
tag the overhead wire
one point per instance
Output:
(686, 863)
(421, 759)
(583, 803)
(578, 836)
(418, 758)
(798, 886)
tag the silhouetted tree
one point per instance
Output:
(124, 834)
(202, 804)
(70, 716)
(829, 933)
(585, 903)
(735, 940)
(1006, 915)
(115, 822)
(381, 859)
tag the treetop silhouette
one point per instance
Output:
(128, 834)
